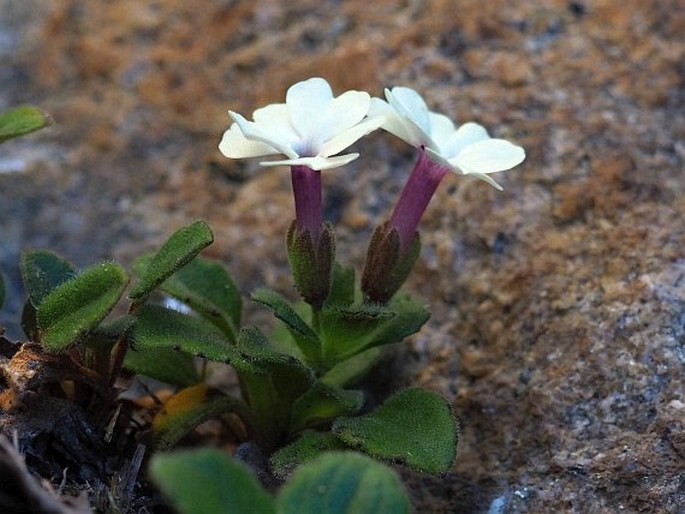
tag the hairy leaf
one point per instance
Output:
(78, 305)
(179, 250)
(323, 403)
(157, 327)
(42, 271)
(163, 364)
(309, 446)
(304, 336)
(414, 426)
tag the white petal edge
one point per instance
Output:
(350, 136)
(254, 132)
(489, 156)
(317, 163)
(235, 145)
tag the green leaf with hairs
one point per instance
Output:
(207, 288)
(22, 120)
(322, 403)
(306, 448)
(42, 271)
(306, 339)
(343, 483)
(163, 364)
(179, 250)
(414, 426)
(78, 305)
(208, 481)
(273, 383)
(342, 286)
(159, 328)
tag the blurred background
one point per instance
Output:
(558, 326)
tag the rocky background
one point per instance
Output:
(558, 326)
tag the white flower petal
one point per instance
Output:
(306, 101)
(274, 118)
(465, 135)
(316, 163)
(341, 113)
(441, 127)
(488, 156)
(235, 145)
(409, 103)
(256, 133)
(393, 121)
(350, 136)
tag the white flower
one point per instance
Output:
(467, 150)
(309, 128)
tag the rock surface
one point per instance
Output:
(558, 324)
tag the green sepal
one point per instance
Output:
(387, 265)
(77, 306)
(272, 383)
(306, 448)
(190, 407)
(158, 328)
(311, 262)
(22, 120)
(176, 252)
(208, 481)
(163, 364)
(42, 271)
(207, 288)
(342, 286)
(307, 340)
(343, 483)
(323, 403)
(415, 427)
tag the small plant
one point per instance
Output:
(297, 398)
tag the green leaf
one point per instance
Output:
(206, 287)
(306, 448)
(160, 328)
(347, 331)
(208, 481)
(275, 381)
(42, 271)
(304, 336)
(343, 483)
(22, 120)
(190, 407)
(179, 250)
(415, 427)
(323, 403)
(342, 286)
(165, 365)
(78, 305)
(347, 371)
